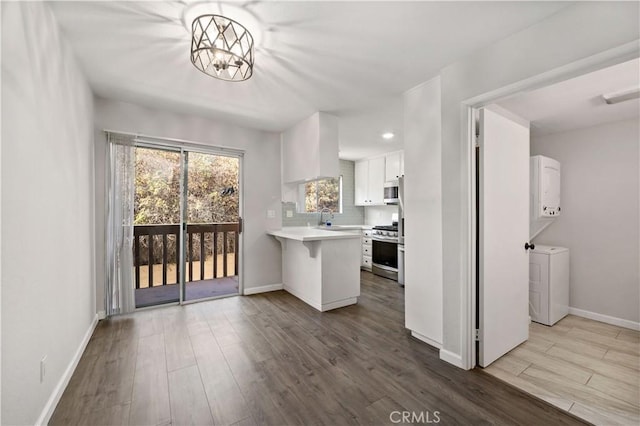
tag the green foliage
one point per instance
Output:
(212, 195)
(157, 191)
(323, 193)
(212, 189)
(209, 200)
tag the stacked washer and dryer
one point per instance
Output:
(548, 265)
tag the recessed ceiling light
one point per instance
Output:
(387, 135)
(621, 96)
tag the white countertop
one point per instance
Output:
(343, 227)
(305, 233)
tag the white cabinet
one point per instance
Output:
(548, 284)
(366, 249)
(369, 182)
(310, 149)
(361, 176)
(394, 166)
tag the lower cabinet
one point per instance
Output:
(366, 249)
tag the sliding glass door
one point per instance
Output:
(186, 225)
(157, 219)
(213, 224)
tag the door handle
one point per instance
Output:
(528, 246)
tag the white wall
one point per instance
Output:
(574, 33)
(599, 222)
(262, 256)
(423, 211)
(47, 209)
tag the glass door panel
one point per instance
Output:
(156, 244)
(212, 225)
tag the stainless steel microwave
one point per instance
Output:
(391, 193)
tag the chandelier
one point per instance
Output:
(222, 48)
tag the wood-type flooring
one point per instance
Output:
(271, 359)
(586, 367)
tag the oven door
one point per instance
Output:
(385, 258)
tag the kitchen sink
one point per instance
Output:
(338, 227)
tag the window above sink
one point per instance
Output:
(316, 195)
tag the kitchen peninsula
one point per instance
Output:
(319, 266)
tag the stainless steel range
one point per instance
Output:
(384, 242)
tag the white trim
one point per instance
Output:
(577, 68)
(426, 340)
(101, 315)
(607, 58)
(322, 307)
(620, 322)
(468, 315)
(263, 289)
(338, 304)
(508, 114)
(159, 141)
(452, 358)
(51, 404)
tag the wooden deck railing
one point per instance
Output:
(201, 231)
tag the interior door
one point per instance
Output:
(503, 281)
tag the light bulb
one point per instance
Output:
(387, 135)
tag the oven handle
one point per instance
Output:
(385, 267)
(383, 240)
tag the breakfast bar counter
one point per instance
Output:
(321, 267)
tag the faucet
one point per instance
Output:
(323, 222)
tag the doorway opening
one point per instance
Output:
(568, 362)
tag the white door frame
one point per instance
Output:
(610, 57)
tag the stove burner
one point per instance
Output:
(386, 228)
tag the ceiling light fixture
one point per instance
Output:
(621, 96)
(388, 135)
(222, 48)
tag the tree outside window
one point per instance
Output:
(321, 194)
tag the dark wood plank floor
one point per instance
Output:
(271, 359)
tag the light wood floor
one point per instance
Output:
(271, 359)
(588, 368)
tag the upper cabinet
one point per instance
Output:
(310, 149)
(394, 166)
(369, 182)
(371, 175)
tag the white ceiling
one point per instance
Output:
(578, 102)
(347, 58)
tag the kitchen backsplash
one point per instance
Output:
(379, 215)
(351, 214)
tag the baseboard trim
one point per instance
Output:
(51, 404)
(101, 315)
(426, 340)
(452, 358)
(263, 289)
(620, 322)
(338, 304)
(308, 301)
